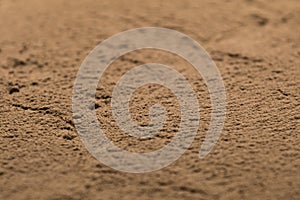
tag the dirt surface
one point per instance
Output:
(256, 46)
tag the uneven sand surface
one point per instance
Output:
(256, 46)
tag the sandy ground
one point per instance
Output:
(256, 46)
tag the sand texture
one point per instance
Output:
(254, 43)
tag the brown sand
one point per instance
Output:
(255, 44)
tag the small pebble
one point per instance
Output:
(13, 90)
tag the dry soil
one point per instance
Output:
(254, 43)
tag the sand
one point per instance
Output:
(256, 46)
